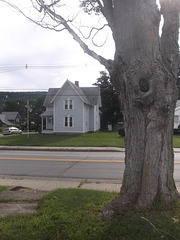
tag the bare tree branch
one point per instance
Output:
(47, 9)
(93, 32)
(84, 46)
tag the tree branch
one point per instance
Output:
(108, 12)
(84, 46)
(65, 26)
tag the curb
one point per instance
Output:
(73, 149)
(78, 149)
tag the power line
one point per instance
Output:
(14, 67)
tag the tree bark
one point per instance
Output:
(144, 72)
(147, 88)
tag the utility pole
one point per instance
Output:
(27, 119)
(28, 111)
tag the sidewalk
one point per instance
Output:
(49, 184)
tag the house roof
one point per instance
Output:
(11, 115)
(49, 96)
(47, 114)
(4, 119)
(89, 95)
(80, 93)
(93, 94)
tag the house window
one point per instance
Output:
(68, 104)
(68, 121)
(50, 120)
(175, 119)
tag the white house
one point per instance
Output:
(177, 119)
(71, 109)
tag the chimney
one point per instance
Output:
(77, 83)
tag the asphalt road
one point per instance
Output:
(86, 165)
(91, 165)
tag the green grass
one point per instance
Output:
(101, 139)
(3, 188)
(176, 141)
(74, 214)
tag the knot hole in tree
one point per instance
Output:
(144, 85)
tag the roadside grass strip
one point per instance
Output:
(75, 214)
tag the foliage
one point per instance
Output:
(1, 129)
(101, 139)
(121, 131)
(3, 188)
(4, 96)
(111, 111)
(18, 104)
(74, 214)
(90, 6)
(15, 105)
(37, 109)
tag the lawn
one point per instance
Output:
(74, 214)
(100, 139)
(176, 141)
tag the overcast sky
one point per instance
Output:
(51, 58)
(23, 43)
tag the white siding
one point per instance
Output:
(177, 118)
(76, 112)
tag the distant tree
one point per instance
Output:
(18, 105)
(15, 105)
(111, 111)
(4, 96)
(37, 109)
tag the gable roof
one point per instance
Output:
(11, 115)
(80, 93)
(49, 96)
(88, 95)
(93, 95)
(3, 118)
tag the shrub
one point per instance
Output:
(121, 132)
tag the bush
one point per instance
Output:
(1, 129)
(121, 132)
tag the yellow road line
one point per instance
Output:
(63, 160)
(68, 160)
(177, 161)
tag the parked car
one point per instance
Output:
(11, 130)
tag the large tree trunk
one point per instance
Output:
(147, 88)
(149, 148)
(144, 72)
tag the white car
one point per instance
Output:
(11, 130)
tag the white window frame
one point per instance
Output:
(68, 121)
(68, 104)
(176, 118)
